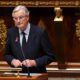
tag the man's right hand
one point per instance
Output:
(16, 63)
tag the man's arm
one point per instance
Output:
(49, 53)
(8, 53)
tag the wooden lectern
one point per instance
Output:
(7, 74)
(43, 76)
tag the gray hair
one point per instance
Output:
(22, 8)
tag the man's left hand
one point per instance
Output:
(29, 63)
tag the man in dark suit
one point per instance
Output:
(38, 51)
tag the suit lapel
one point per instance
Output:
(17, 40)
(31, 35)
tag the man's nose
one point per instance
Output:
(18, 20)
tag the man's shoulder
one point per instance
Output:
(37, 28)
(12, 29)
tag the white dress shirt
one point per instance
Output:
(26, 31)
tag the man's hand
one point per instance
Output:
(16, 63)
(29, 63)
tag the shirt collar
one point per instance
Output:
(26, 31)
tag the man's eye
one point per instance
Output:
(21, 17)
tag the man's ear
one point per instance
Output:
(27, 18)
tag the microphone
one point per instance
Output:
(26, 62)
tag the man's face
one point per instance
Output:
(21, 20)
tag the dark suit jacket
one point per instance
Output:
(38, 48)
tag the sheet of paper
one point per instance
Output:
(22, 74)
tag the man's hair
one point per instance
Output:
(20, 8)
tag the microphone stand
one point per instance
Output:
(26, 62)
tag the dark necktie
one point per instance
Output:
(24, 43)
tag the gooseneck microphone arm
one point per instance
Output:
(26, 62)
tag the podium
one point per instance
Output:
(7, 73)
(37, 76)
